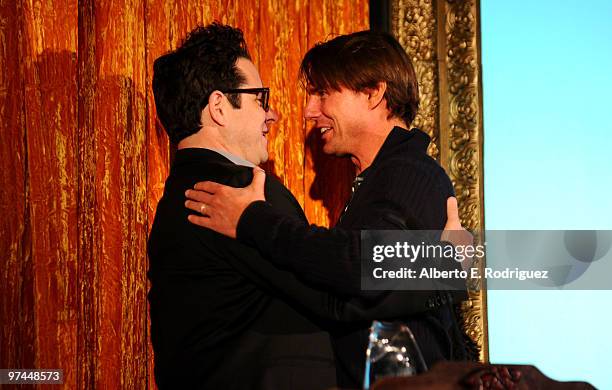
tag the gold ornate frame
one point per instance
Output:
(442, 38)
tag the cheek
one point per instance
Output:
(348, 116)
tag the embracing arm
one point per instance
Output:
(324, 257)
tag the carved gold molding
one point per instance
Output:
(443, 40)
(415, 28)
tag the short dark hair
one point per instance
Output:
(360, 61)
(184, 79)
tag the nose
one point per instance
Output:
(313, 107)
(271, 116)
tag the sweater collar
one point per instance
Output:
(399, 139)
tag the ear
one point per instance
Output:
(376, 95)
(217, 108)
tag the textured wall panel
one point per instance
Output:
(16, 294)
(88, 219)
(48, 61)
(112, 150)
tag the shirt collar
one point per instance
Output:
(233, 158)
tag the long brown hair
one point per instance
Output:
(360, 61)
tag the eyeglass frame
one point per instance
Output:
(265, 97)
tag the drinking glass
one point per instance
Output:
(392, 351)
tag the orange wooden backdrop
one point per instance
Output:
(84, 163)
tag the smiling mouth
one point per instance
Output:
(324, 129)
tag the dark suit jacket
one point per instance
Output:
(222, 317)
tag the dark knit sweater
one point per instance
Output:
(402, 188)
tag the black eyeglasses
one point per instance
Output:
(263, 95)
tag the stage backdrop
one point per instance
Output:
(84, 161)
